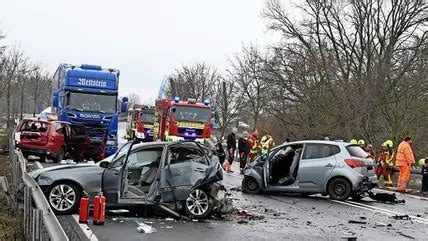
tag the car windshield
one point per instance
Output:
(356, 151)
(146, 116)
(91, 102)
(191, 114)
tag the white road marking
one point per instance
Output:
(85, 228)
(38, 164)
(380, 210)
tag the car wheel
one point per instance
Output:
(60, 156)
(198, 204)
(64, 198)
(339, 189)
(250, 185)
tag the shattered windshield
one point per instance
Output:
(191, 114)
(91, 102)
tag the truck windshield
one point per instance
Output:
(91, 102)
(146, 116)
(191, 113)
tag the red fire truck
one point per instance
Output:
(182, 120)
(140, 123)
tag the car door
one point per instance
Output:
(317, 163)
(185, 166)
(110, 179)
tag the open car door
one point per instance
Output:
(187, 166)
(77, 141)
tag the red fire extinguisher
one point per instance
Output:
(84, 208)
(99, 209)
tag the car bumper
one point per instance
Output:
(35, 151)
(367, 184)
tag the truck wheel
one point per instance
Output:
(339, 189)
(250, 185)
(198, 204)
(60, 156)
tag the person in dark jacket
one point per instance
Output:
(231, 147)
(243, 150)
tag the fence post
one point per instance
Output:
(37, 224)
(27, 210)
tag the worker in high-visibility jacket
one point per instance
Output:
(385, 163)
(404, 160)
(253, 142)
(267, 143)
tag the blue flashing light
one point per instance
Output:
(206, 101)
(91, 66)
(176, 99)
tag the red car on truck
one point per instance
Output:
(182, 120)
(43, 138)
(58, 140)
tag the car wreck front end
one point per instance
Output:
(194, 188)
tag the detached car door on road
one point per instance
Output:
(316, 165)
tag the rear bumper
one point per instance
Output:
(367, 185)
(35, 150)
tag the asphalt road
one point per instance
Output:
(275, 217)
(284, 217)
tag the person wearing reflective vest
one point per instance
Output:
(254, 144)
(404, 160)
(267, 143)
(386, 163)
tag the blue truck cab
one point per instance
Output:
(87, 95)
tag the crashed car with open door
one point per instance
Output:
(178, 176)
(340, 170)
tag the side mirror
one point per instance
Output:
(104, 164)
(55, 99)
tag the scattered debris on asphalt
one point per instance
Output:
(242, 221)
(236, 189)
(145, 228)
(385, 197)
(357, 222)
(169, 219)
(118, 211)
(69, 161)
(401, 217)
(363, 218)
(381, 224)
(405, 235)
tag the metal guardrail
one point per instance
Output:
(40, 221)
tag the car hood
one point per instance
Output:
(36, 173)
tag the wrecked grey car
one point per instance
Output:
(172, 175)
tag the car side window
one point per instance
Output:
(180, 154)
(314, 151)
(145, 157)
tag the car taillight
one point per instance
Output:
(354, 163)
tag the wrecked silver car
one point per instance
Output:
(176, 176)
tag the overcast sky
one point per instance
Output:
(145, 39)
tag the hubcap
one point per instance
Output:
(197, 202)
(62, 197)
(339, 189)
(252, 185)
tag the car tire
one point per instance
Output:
(60, 156)
(67, 204)
(198, 204)
(339, 189)
(250, 185)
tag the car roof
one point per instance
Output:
(339, 143)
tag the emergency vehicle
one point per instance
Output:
(140, 123)
(182, 120)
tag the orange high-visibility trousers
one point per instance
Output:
(404, 177)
